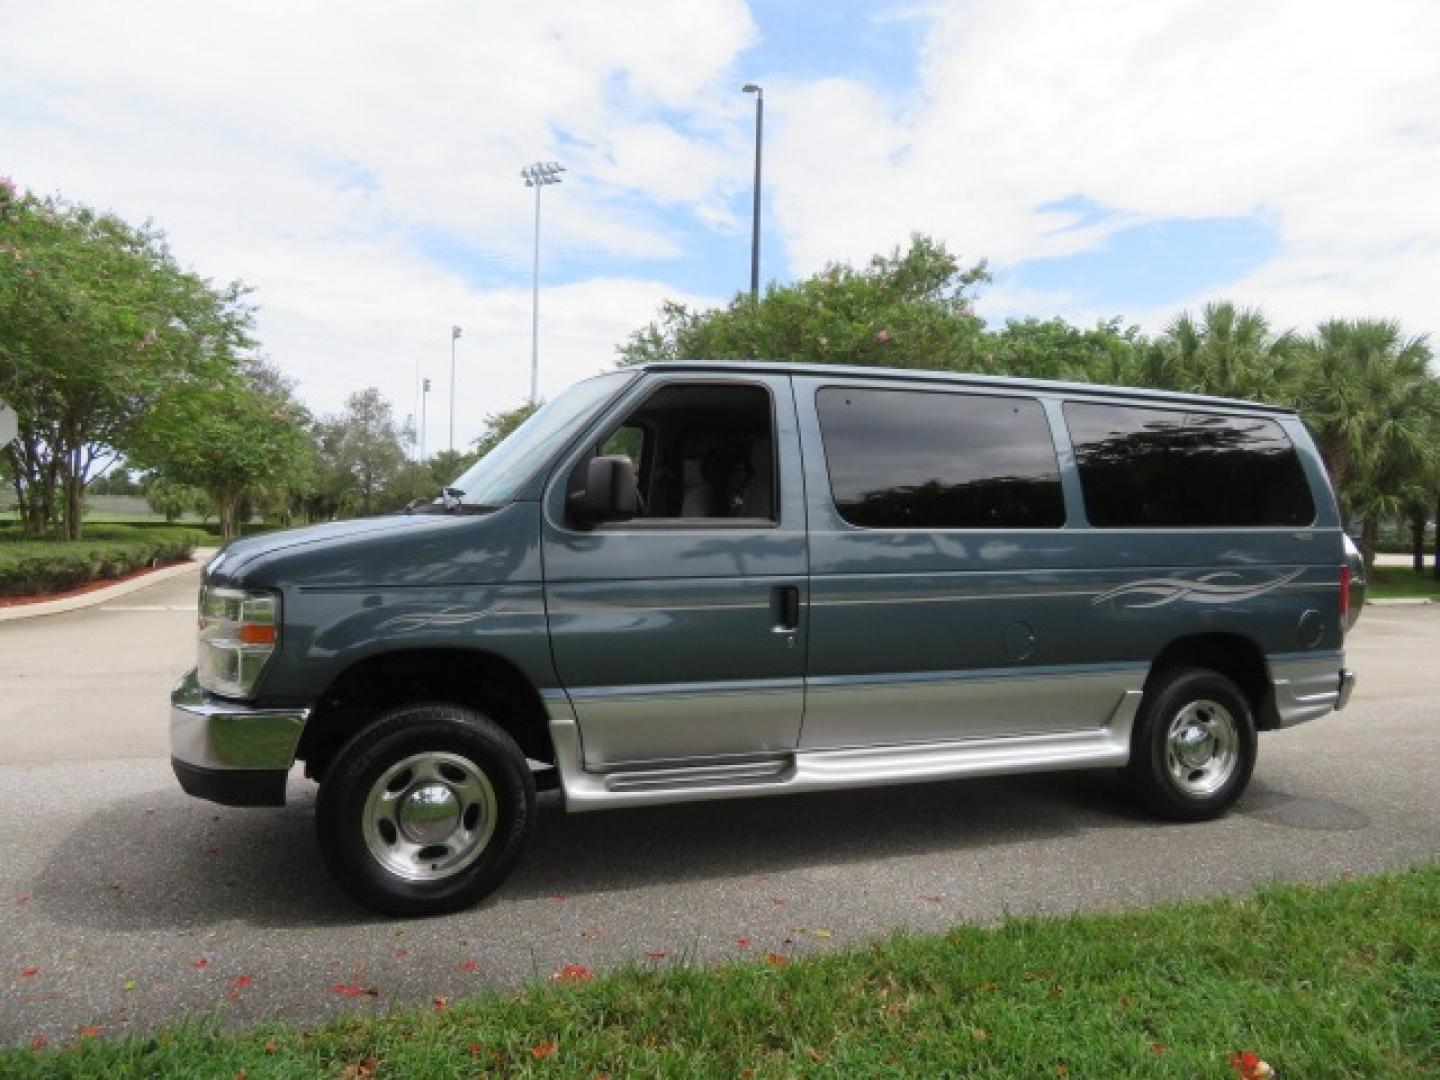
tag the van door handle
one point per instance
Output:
(787, 608)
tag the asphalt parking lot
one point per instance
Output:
(124, 904)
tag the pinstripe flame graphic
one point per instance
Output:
(1216, 588)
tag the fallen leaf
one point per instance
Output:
(240, 1074)
(129, 985)
(23, 899)
(743, 942)
(560, 896)
(39, 1042)
(590, 933)
(475, 1049)
(440, 1003)
(573, 973)
(1248, 1065)
(90, 1031)
(29, 972)
(240, 982)
(777, 901)
(979, 1034)
(359, 1070)
(1157, 1049)
(543, 1051)
(201, 964)
(776, 960)
(657, 954)
(815, 1056)
(1056, 992)
(351, 990)
(270, 1047)
(933, 898)
(1062, 1070)
(402, 953)
(469, 965)
(823, 933)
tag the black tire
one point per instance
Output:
(453, 736)
(1160, 775)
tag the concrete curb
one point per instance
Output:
(1401, 601)
(100, 596)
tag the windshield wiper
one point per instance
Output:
(448, 502)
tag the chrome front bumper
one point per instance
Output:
(230, 752)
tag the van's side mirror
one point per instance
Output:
(609, 493)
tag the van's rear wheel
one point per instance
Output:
(426, 810)
(1194, 745)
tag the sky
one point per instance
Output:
(357, 163)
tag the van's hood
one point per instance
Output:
(399, 549)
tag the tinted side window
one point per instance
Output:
(702, 451)
(917, 459)
(1156, 467)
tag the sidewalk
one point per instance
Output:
(110, 592)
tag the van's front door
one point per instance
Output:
(680, 635)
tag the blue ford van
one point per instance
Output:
(703, 581)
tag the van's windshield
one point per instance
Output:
(494, 479)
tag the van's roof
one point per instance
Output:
(916, 375)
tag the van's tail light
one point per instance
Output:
(1344, 592)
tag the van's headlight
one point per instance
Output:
(239, 632)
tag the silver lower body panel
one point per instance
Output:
(828, 769)
(1306, 688)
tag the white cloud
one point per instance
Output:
(320, 151)
(1324, 118)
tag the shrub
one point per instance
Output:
(28, 567)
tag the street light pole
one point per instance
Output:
(752, 88)
(424, 403)
(537, 176)
(454, 336)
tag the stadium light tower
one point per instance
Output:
(537, 176)
(752, 88)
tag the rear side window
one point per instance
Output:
(1155, 468)
(916, 459)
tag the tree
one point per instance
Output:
(230, 437)
(1371, 398)
(175, 500)
(1230, 352)
(912, 308)
(362, 452)
(1053, 349)
(97, 321)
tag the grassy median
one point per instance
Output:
(1341, 980)
(1402, 582)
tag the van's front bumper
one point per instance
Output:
(230, 752)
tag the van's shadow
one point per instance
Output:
(162, 860)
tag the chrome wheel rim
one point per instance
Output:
(1202, 747)
(429, 816)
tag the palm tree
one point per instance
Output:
(1374, 403)
(1229, 351)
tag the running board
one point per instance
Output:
(826, 770)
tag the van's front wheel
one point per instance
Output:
(426, 810)
(1194, 745)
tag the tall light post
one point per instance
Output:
(537, 176)
(454, 337)
(424, 402)
(752, 88)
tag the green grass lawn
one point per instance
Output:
(1400, 582)
(1341, 980)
